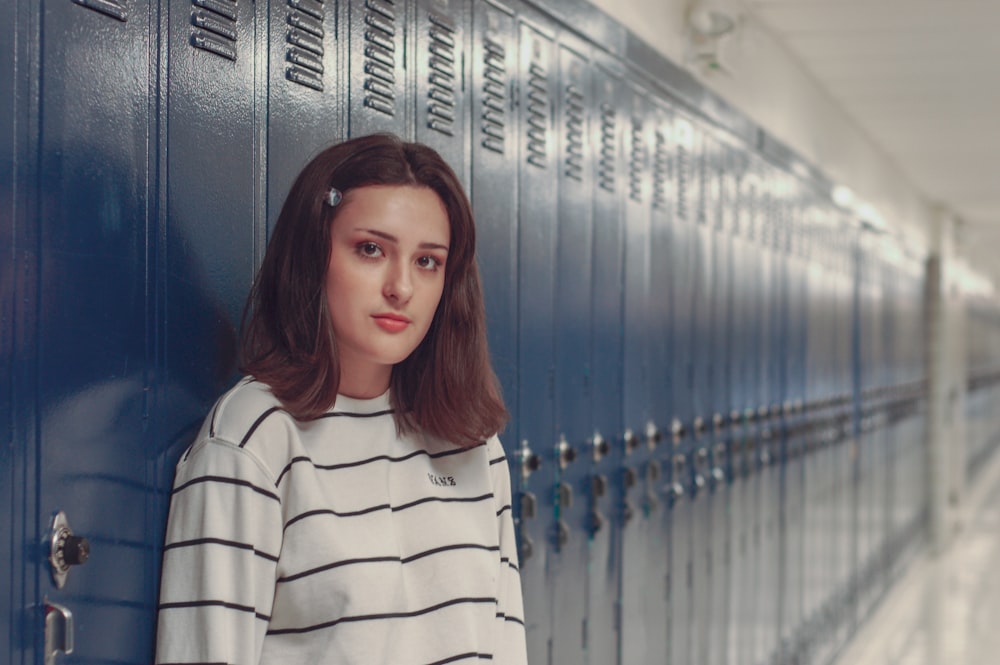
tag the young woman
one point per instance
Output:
(348, 501)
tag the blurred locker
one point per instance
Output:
(537, 233)
(657, 600)
(741, 519)
(640, 434)
(573, 426)
(717, 524)
(701, 355)
(682, 310)
(603, 584)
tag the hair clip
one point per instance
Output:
(334, 197)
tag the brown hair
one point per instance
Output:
(446, 387)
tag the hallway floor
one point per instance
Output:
(945, 610)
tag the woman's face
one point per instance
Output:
(385, 277)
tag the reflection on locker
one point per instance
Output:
(718, 377)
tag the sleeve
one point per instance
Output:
(223, 537)
(510, 640)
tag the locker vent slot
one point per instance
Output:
(538, 106)
(574, 133)
(683, 166)
(304, 43)
(214, 27)
(606, 163)
(661, 172)
(380, 56)
(111, 8)
(441, 75)
(636, 158)
(494, 96)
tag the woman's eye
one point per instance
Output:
(428, 263)
(369, 250)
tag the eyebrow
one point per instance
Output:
(394, 239)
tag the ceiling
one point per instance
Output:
(922, 80)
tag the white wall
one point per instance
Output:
(770, 87)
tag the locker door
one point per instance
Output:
(379, 98)
(723, 184)
(657, 600)
(701, 352)
(441, 97)
(574, 101)
(90, 319)
(682, 308)
(494, 192)
(640, 431)
(737, 639)
(305, 112)
(606, 348)
(15, 67)
(537, 233)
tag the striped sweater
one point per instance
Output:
(336, 541)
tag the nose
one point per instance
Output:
(398, 284)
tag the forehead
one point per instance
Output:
(404, 211)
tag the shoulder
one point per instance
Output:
(248, 422)
(241, 411)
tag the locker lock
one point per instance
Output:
(530, 462)
(762, 412)
(65, 549)
(699, 426)
(735, 417)
(677, 430)
(631, 441)
(565, 453)
(653, 435)
(718, 422)
(600, 446)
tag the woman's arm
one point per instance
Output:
(223, 538)
(510, 643)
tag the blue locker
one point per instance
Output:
(572, 337)
(493, 192)
(376, 59)
(640, 434)
(657, 600)
(17, 355)
(304, 115)
(681, 563)
(93, 216)
(537, 233)
(603, 584)
(441, 105)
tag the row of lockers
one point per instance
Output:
(717, 378)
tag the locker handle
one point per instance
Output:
(58, 631)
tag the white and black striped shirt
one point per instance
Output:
(336, 541)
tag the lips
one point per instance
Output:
(391, 322)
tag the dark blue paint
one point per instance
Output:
(537, 233)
